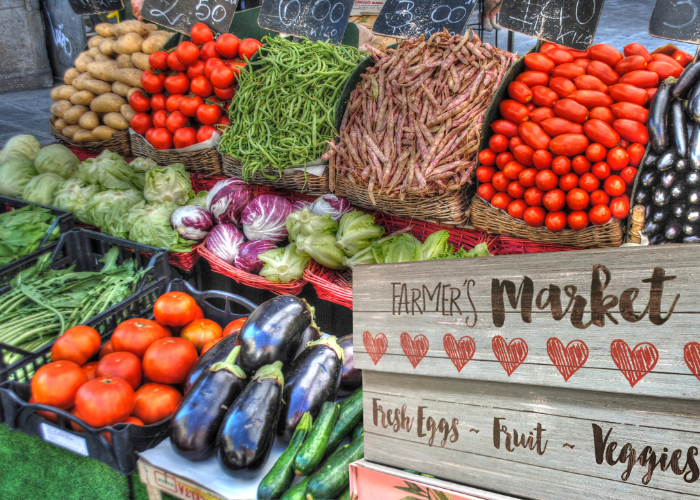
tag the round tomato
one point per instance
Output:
(158, 102)
(517, 208)
(200, 34)
(620, 206)
(601, 170)
(577, 220)
(599, 197)
(618, 158)
(175, 121)
(136, 335)
(554, 200)
(106, 349)
(227, 45)
(205, 132)
(568, 182)
(542, 159)
(209, 345)
(156, 402)
(201, 86)
(77, 344)
(161, 138)
(614, 185)
(208, 51)
(139, 102)
(175, 309)
(105, 401)
(596, 152)
(200, 331)
(561, 165)
(125, 365)
(158, 60)
(577, 199)
(48, 415)
(501, 201)
(527, 177)
(195, 70)
(225, 94)
(248, 48)
(636, 153)
(174, 63)
(555, 221)
(208, 114)
(498, 143)
(485, 174)
(599, 215)
(580, 165)
(628, 175)
(487, 157)
(90, 369)
(222, 76)
(159, 118)
(516, 190)
(512, 170)
(172, 103)
(534, 196)
(486, 191)
(500, 182)
(134, 420)
(189, 105)
(534, 216)
(168, 361)
(152, 83)
(210, 65)
(589, 182)
(184, 137)
(57, 383)
(546, 180)
(187, 53)
(503, 159)
(141, 122)
(177, 84)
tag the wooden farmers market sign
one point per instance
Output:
(554, 376)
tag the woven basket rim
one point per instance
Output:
(120, 135)
(145, 144)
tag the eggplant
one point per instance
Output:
(648, 209)
(659, 215)
(691, 239)
(273, 332)
(666, 160)
(248, 431)
(690, 229)
(680, 132)
(692, 215)
(661, 197)
(678, 210)
(681, 166)
(673, 231)
(216, 354)
(694, 92)
(687, 80)
(195, 424)
(310, 334)
(694, 197)
(650, 159)
(692, 179)
(351, 379)
(649, 178)
(668, 179)
(694, 108)
(657, 239)
(657, 124)
(694, 148)
(642, 197)
(312, 379)
(678, 190)
(651, 228)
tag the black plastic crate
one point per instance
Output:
(85, 249)
(126, 439)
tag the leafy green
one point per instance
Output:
(321, 247)
(15, 174)
(20, 146)
(23, 230)
(405, 248)
(436, 246)
(150, 224)
(305, 223)
(57, 159)
(200, 199)
(480, 250)
(108, 209)
(88, 171)
(141, 166)
(356, 232)
(283, 265)
(74, 195)
(168, 184)
(113, 172)
(41, 188)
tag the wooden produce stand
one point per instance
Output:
(554, 379)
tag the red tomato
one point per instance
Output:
(630, 111)
(555, 221)
(560, 56)
(516, 190)
(603, 71)
(643, 79)
(175, 309)
(189, 105)
(620, 206)
(624, 92)
(591, 98)
(554, 200)
(505, 127)
(177, 84)
(534, 136)
(503, 159)
(534, 196)
(601, 132)
(636, 153)
(618, 158)
(90, 369)
(596, 152)
(577, 199)
(571, 110)
(487, 157)
(541, 114)
(589, 182)
(581, 63)
(631, 63)
(184, 137)
(158, 102)
(106, 349)
(205, 132)
(614, 185)
(665, 69)
(580, 164)
(578, 54)
(546, 180)
(542, 159)
(523, 153)
(603, 113)
(547, 46)
(134, 421)
(485, 174)
(513, 111)
(624, 144)
(520, 92)
(539, 62)
(567, 182)
(628, 175)
(637, 49)
(501, 201)
(500, 182)
(498, 143)
(532, 78)
(136, 335)
(568, 70)
(605, 53)
(568, 144)
(152, 83)
(172, 103)
(139, 102)
(208, 114)
(156, 402)
(187, 53)
(534, 216)
(248, 48)
(527, 177)
(557, 126)
(650, 94)
(174, 63)
(227, 45)
(201, 86)
(599, 197)
(159, 118)
(57, 383)
(544, 96)
(517, 208)
(599, 215)
(561, 165)
(632, 131)
(211, 64)
(105, 401)
(124, 365)
(201, 34)
(562, 86)
(225, 94)
(175, 121)
(168, 361)
(210, 344)
(77, 344)
(158, 60)
(200, 331)
(149, 135)
(208, 51)
(682, 57)
(514, 142)
(588, 82)
(577, 220)
(195, 70)
(486, 191)
(601, 170)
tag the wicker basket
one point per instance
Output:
(203, 183)
(493, 220)
(295, 180)
(119, 143)
(449, 210)
(505, 245)
(206, 161)
(331, 285)
(185, 260)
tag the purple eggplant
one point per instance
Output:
(219, 352)
(312, 379)
(351, 379)
(310, 334)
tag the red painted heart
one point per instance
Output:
(510, 355)
(634, 363)
(376, 346)
(568, 359)
(414, 348)
(460, 352)
(691, 353)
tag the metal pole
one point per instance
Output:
(511, 41)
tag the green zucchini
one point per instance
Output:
(346, 495)
(350, 416)
(297, 492)
(281, 475)
(311, 452)
(334, 475)
(357, 432)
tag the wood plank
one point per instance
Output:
(599, 291)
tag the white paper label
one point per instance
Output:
(64, 439)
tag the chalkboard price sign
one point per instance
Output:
(313, 19)
(87, 7)
(181, 15)
(566, 22)
(410, 19)
(676, 20)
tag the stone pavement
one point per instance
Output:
(26, 113)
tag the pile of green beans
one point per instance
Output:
(284, 108)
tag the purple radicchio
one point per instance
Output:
(224, 241)
(330, 204)
(247, 258)
(299, 205)
(192, 222)
(265, 218)
(227, 199)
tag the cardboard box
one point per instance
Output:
(171, 484)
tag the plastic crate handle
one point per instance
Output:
(183, 286)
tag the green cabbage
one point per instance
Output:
(321, 247)
(283, 264)
(150, 225)
(57, 159)
(108, 209)
(88, 171)
(168, 184)
(74, 195)
(15, 174)
(41, 189)
(113, 172)
(141, 166)
(436, 246)
(356, 232)
(304, 222)
(20, 146)
(200, 199)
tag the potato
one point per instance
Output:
(60, 124)
(103, 70)
(103, 132)
(72, 116)
(94, 41)
(105, 29)
(124, 61)
(131, 77)
(80, 79)
(70, 75)
(94, 52)
(89, 120)
(116, 120)
(107, 46)
(121, 89)
(102, 58)
(152, 27)
(130, 27)
(81, 63)
(85, 136)
(128, 44)
(106, 103)
(60, 107)
(83, 97)
(140, 60)
(63, 92)
(97, 86)
(127, 112)
(70, 130)
(153, 43)
(131, 91)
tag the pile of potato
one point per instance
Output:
(93, 104)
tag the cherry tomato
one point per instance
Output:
(513, 111)
(498, 143)
(682, 57)
(152, 83)
(596, 152)
(542, 159)
(555, 221)
(571, 110)
(505, 127)
(534, 196)
(523, 153)
(485, 174)
(557, 126)
(158, 60)
(187, 53)
(546, 180)
(159, 118)
(632, 131)
(561, 165)
(568, 70)
(618, 158)
(500, 182)
(161, 138)
(631, 63)
(516, 190)
(599, 197)
(539, 62)
(577, 220)
(174, 63)
(248, 48)
(178, 83)
(196, 69)
(503, 158)
(620, 206)
(636, 153)
(205, 132)
(208, 51)
(208, 114)
(643, 79)
(577, 199)
(189, 105)
(601, 132)
(532, 78)
(520, 92)
(637, 49)
(589, 182)
(487, 157)
(614, 185)
(534, 216)
(665, 69)
(534, 136)
(210, 64)
(501, 201)
(517, 208)
(580, 164)
(225, 94)
(554, 200)
(486, 191)
(227, 45)
(559, 56)
(201, 34)
(568, 144)
(515, 142)
(588, 82)
(628, 175)
(544, 96)
(172, 103)
(527, 177)
(605, 53)
(601, 170)
(567, 182)
(603, 71)
(541, 114)
(184, 137)
(599, 215)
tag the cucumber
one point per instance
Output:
(346, 495)
(334, 475)
(350, 416)
(297, 492)
(281, 475)
(311, 452)
(357, 432)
